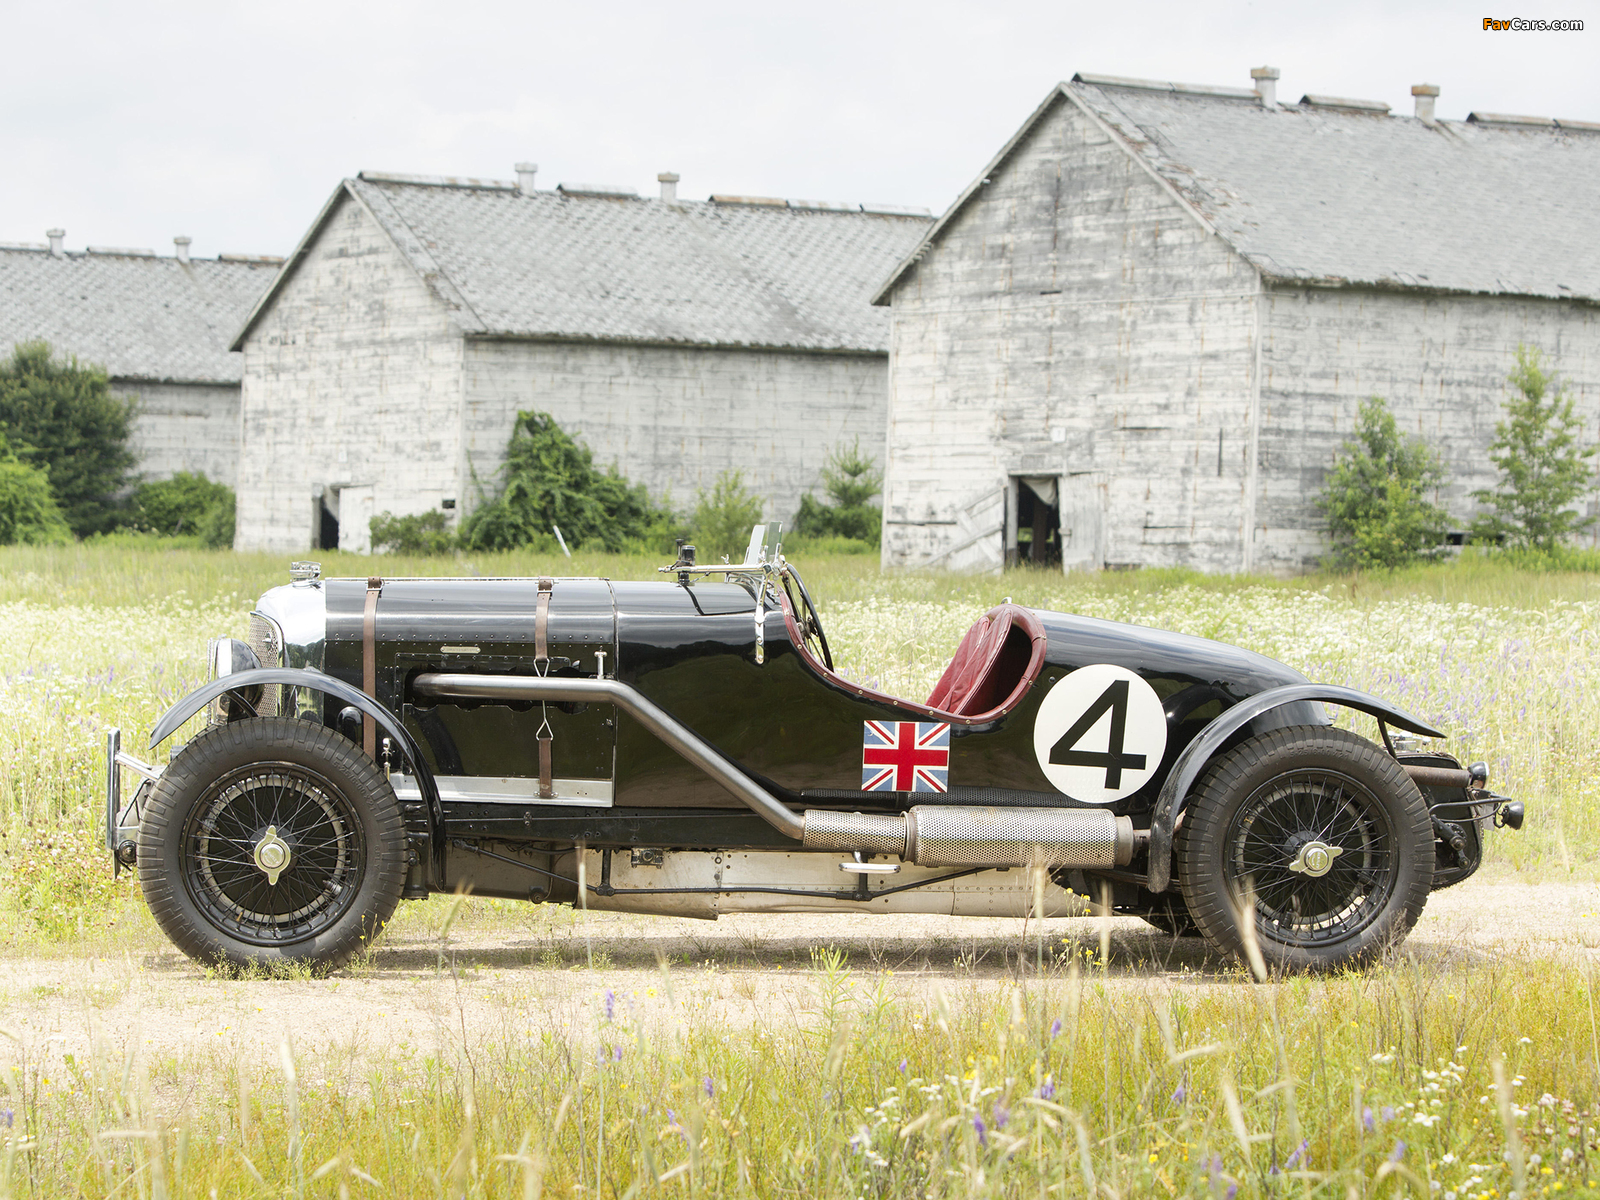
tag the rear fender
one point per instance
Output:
(319, 681)
(1197, 756)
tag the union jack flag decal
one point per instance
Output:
(905, 756)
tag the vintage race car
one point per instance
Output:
(685, 747)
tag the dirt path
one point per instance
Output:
(417, 996)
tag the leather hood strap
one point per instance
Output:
(369, 664)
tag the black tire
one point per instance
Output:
(1254, 825)
(212, 816)
(1171, 916)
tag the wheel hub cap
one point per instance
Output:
(272, 854)
(1315, 859)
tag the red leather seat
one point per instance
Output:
(999, 656)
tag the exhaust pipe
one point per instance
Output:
(929, 836)
(941, 836)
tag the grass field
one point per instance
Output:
(1472, 1078)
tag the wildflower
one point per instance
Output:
(1294, 1159)
(1398, 1152)
(903, 1065)
(710, 1089)
(1055, 1028)
(1367, 1122)
(7, 1116)
(1047, 1089)
(616, 1054)
(1387, 1113)
(1180, 1094)
(1002, 1114)
(610, 1001)
(1233, 1190)
(982, 1130)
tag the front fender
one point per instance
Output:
(317, 681)
(1198, 753)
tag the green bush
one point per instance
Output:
(187, 503)
(851, 479)
(61, 416)
(723, 519)
(551, 480)
(1542, 468)
(418, 534)
(28, 511)
(1375, 496)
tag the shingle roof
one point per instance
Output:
(138, 315)
(1324, 196)
(566, 265)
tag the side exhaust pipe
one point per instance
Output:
(941, 836)
(929, 836)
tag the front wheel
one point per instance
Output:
(1319, 836)
(271, 839)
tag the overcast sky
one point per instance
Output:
(129, 123)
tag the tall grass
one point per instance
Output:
(1068, 1084)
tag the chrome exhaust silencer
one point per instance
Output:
(940, 836)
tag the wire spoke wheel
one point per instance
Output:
(1347, 885)
(272, 839)
(1315, 836)
(241, 815)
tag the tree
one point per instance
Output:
(851, 479)
(1375, 498)
(550, 480)
(1542, 467)
(61, 416)
(28, 511)
(723, 519)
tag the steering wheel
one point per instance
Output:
(816, 642)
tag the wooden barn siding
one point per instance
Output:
(1440, 361)
(673, 419)
(1143, 358)
(184, 427)
(355, 356)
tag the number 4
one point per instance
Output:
(1112, 758)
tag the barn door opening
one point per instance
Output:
(1034, 536)
(325, 519)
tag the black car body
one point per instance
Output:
(684, 747)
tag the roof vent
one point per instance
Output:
(825, 206)
(1161, 85)
(895, 210)
(121, 251)
(1479, 118)
(57, 238)
(270, 260)
(614, 190)
(669, 186)
(1267, 85)
(449, 181)
(749, 201)
(1426, 94)
(525, 176)
(182, 243)
(1586, 126)
(1344, 104)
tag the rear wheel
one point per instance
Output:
(1319, 836)
(272, 840)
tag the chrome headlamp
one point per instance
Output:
(230, 656)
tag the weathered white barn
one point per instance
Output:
(159, 325)
(384, 368)
(1144, 329)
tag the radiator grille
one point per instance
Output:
(263, 639)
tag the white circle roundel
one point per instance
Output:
(1100, 734)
